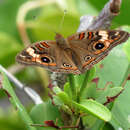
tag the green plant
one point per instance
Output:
(80, 102)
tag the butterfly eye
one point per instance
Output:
(45, 59)
(67, 65)
(99, 46)
(86, 58)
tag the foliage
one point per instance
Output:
(83, 95)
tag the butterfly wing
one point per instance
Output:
(48, 55)
(92, 46)
(74, 54)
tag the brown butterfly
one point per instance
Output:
(75, 54)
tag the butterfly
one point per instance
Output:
(76, 54)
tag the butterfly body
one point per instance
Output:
(75, 54)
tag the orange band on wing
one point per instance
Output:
(81, 35)
(70, 68)
(44, 44)
(89, 35)
(38, 47)
(49, 64)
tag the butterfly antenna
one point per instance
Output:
(62, 21)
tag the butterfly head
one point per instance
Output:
(58, 36)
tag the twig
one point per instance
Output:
(103, 20)
(15, 68)
(29, 91)
(111, 99)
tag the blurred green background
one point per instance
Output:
(42, 23)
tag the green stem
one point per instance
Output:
(72, 86)
(84, 85)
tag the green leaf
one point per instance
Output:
(94, 108)
(43, 112)
(121, 110)
(62, 104)
(57, 90)
(10, 47)
(84, 84)
(98, 125)
(9, 120)
(79, 78)
(72, 84)
(109, 92)
(67, 90)
(58, 101)
(126, 46)
(90, 91)
(64, 98)
(127, 49)
(61, 97)
(15, 101)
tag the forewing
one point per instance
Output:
(48, 55)
(92, 47)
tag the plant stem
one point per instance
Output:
(72, 86)
(84, 84)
